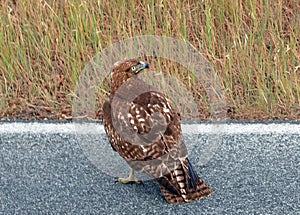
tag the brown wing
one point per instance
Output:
(150, 114)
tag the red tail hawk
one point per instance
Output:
(147, 134)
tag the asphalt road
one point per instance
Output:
(252, 171)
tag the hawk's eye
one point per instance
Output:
(133, 68)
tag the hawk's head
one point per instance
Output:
(123, 70)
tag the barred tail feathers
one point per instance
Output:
(183, 185)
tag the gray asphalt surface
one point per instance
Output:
(49, 173)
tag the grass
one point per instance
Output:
(253, 45)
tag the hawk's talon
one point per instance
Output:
(131, 179)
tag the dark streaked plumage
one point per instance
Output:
(155, 145)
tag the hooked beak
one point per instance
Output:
(144, 65)
(141, 66)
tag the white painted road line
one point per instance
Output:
(94, 128)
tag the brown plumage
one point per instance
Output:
(147, 134)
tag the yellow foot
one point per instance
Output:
(131, 178)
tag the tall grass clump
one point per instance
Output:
(252, 45)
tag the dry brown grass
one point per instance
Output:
(253, 45)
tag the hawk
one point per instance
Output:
(145, 130)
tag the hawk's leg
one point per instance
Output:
(131, 178)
